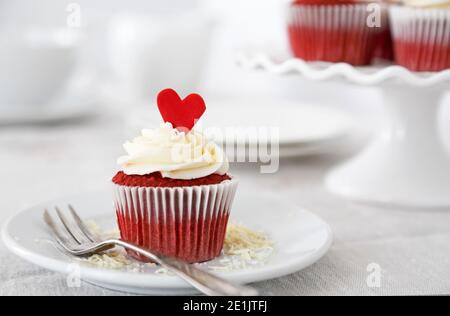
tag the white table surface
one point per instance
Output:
(412, 247)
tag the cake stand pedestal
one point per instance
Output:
(406, 164)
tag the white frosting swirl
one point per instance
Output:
(174, 154)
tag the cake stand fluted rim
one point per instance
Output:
(320, 71)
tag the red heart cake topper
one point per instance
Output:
(183, 114)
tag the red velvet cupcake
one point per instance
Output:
(173, 195)
(332, 31)
(421, 34)
(384, 48)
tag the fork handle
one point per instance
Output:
(203, 281)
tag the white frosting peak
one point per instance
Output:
(174, 154)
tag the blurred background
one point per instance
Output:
(133, 49)
(80, 77)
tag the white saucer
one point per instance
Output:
(300, 239)
(78, 99)
(68, 108)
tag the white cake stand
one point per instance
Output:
(407, 163)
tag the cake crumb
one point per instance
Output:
(244, 248)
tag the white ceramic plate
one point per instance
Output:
(303, 129)
(300, 238)
(297, 123)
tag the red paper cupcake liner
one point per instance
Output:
(384, 48)
(184, 222)
(421, 38)
(333, 33)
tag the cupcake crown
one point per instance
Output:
(173, 149)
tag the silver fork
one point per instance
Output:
(74, 237)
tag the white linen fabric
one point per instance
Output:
(411, 247)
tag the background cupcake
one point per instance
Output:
(173, 194)
(421, 34)
(333, 31)
(384, 48)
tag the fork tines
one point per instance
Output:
(71, 231)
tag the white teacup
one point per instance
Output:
(35, 66)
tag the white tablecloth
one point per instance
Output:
(411, 247)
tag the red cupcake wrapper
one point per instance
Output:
(184, 222)
(333, 33)
(384, 48)
(421, 38)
